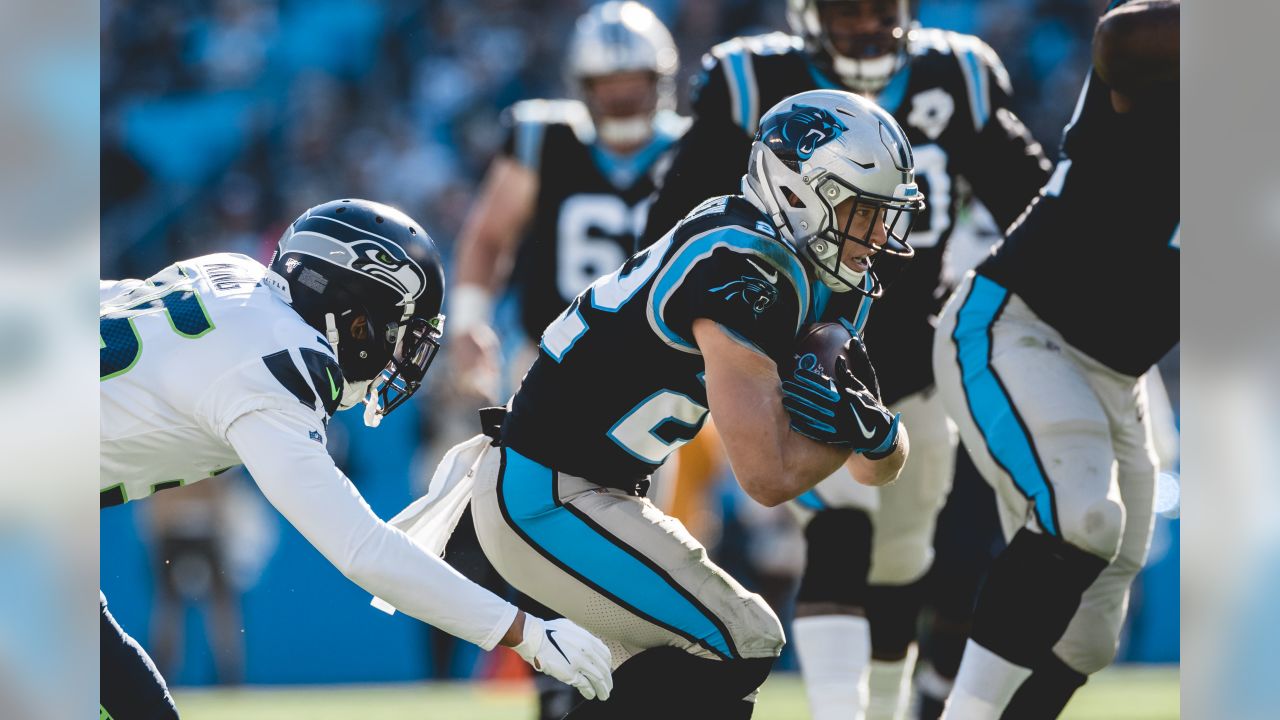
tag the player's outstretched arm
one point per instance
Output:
(300, 479)
(772, 463)
(486, 251)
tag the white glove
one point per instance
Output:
(569, 654)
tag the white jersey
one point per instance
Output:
(192, 349)
(204, 366)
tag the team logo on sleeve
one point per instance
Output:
(793, 136)
(755, 292)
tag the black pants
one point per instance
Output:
(131, 687)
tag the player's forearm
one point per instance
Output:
(299, 478)
(886, 469)
(782, 464)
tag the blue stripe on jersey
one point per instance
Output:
(993, 412)
(864, 308)
(527, 493)
(890, 98)
(821, 296)
(702, 246)
(622, 170)
(811, 501)
(529, 143)
(979, 95)
(742, 89)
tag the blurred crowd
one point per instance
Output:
(223, 119)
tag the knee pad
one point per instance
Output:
(893, 611)
(1031, 593)
(837, 557)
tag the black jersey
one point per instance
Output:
(591, 206)
(951, 98)
(618, 383)
(1097, 255)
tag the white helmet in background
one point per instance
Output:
(864, 62)
(819, 149)
(621, 37)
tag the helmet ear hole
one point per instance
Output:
(792, 199)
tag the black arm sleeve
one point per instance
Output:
(710, 159)
(1003, 162)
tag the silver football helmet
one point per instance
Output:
(869, 58)
(616, 37)
(818, 150)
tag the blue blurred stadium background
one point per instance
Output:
(222, 119)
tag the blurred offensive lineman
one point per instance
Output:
(951, 94)
(218, 361)
(571, 186)
(1042, 375)
(626, 374)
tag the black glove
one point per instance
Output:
(844, 414)
(860, 365)
(877, 428)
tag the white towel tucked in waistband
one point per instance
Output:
(430, 520)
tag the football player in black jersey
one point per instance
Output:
(699, 321)
(565, 201)
(1039, 356)
(951, 94)
(561, 205)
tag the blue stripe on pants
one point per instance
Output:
(527, 493)
(1007, 438)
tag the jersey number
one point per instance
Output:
(931, 173)
(169, 292)
(665, 420)
(590, 238)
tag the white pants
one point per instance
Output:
(903, 514)
(613, 563)
(1064, 441)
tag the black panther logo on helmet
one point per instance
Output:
(794, 135)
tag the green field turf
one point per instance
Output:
(1116, 694)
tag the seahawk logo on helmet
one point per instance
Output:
(794, 135)
(388, 263)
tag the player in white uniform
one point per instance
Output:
(218, 361)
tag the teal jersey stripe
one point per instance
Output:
(528, 496)
(1007, 439)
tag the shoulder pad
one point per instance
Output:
(737, 59)
(774, 43)
(571, 113)
(531, 119)
(671, 124)
(976, 61)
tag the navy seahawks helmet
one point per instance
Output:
(368, 278)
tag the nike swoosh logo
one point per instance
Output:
(332, 388)
(868, 434)
(556, 645)
(771, 277)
